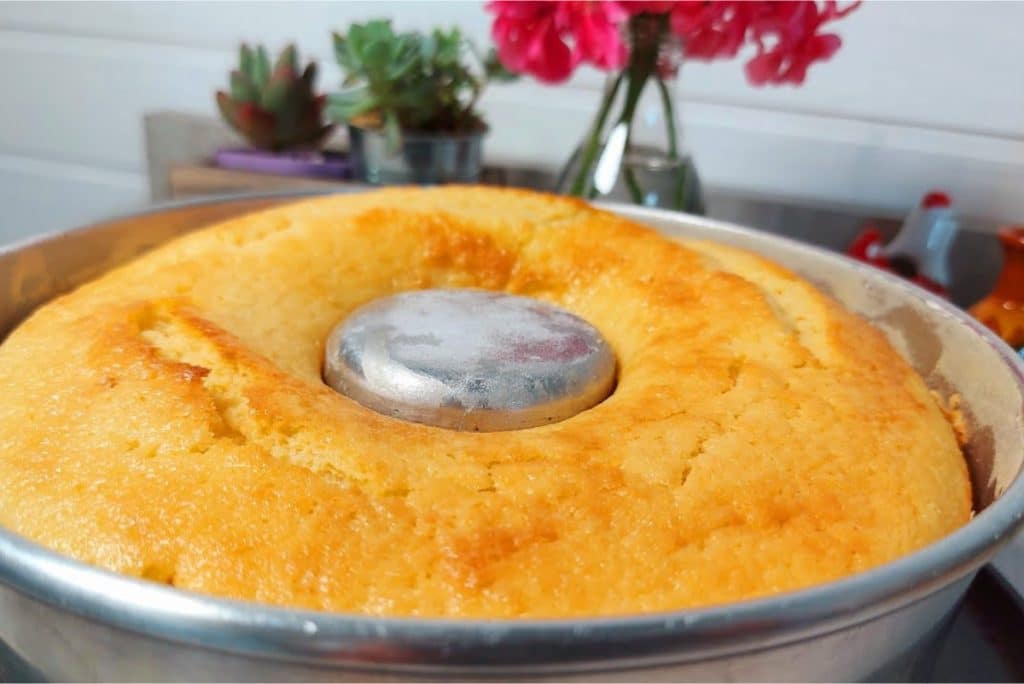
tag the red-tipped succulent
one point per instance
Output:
(274, 108)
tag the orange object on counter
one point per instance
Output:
(1003, 309)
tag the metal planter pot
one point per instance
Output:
(68, 620)
(421, 159)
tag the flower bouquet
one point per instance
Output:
(633, 147)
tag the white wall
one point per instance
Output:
(922, 94)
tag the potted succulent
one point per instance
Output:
(409, 100)
(276, 109)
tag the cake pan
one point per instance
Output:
(66, 620)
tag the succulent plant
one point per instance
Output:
(412, 82)
(274, 108)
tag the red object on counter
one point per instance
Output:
(919, 250)
(867, 247)
(934, 200)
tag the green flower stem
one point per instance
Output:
(643, 63)
(633, 91)
(670, 119)
(594, 140)
(635, 191)
(682, 178)
(637, 81)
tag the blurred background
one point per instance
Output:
(108, 107)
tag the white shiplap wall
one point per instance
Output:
(923, 94)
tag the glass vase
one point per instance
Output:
(634, 151)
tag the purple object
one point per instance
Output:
(307, 164)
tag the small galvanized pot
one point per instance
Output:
(421, 159)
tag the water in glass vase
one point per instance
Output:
(661, 181)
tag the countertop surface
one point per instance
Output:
(1010, 563)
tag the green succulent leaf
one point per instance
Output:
(242, 89)
(449, 47)
(261, 68)
(427, 48)
(309, 76)
(378, 30)
(228, 108)
(377, 56)
(411, 80)
(277, 93)
(346, 105)
(343, 53)
(274, 108)
(245, 61)
(402, 67)
(288, 59)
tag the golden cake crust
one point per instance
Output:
(168, 420)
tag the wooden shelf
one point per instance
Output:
(194, 181)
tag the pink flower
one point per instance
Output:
(786, 34)
(549, 39)
(648, 6)
(712, 30)
(595, 26)
(794, 27)
(528, 40)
